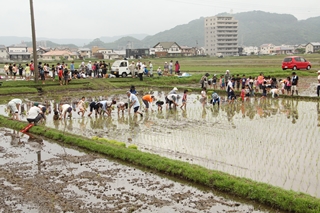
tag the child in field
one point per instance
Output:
(243, 93)
(184, 99)
(222, 82)
(159, 104)
(82, 106)
(28, 72)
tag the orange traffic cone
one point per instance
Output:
(27, 128)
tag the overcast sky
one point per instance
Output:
(95, 18)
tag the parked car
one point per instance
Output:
(295, 63)
(120, 68)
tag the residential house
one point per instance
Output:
(251, 50)
(112, 54)
(137, 53)
(163, 49)
(188, 51)
(313, 47)
(57, 55)
(283, 49)
(18, 52)
(84, 53)
(266, 49)
(41, 51)
(3, 53)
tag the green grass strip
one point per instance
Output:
(266, 194)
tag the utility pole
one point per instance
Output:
(34, 44)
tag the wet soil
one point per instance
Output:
(41, 176)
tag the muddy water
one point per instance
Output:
(39, 176)
(275, 141)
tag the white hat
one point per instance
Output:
(318, 71)
(89, 61)
(175, 88)
(227, 71)
(165, 62)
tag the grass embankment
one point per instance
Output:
(275, 197)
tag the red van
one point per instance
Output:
(295, 63)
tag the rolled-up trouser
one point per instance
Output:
(35, 120)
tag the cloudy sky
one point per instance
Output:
(95, 18)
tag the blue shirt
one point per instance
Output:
(71, 66)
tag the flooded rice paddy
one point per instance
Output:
(40, 176)
(276, 141)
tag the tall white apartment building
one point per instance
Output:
(221, 35)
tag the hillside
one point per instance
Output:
(255, 28)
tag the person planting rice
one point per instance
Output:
(159, 104)
(107, 106)
(122, 106)
(173, 99)
(13, 106)
(134, 102)
(215, 99)
(34, 114)
(96, 106)
(64, 109)
(147, 100)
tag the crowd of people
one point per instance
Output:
(96, 69)
(248, 86)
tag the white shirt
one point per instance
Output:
(318, 79)
(274, 91)
(16, 101)
(33, 112)
(134, 99)
(120, 104)
(105, 104)
(64, 108)
(172, 97)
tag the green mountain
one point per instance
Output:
(255, 28)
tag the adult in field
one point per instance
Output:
(147, 100)
(89, 69)
(318, 88)
(34, 114)
(64, 109)
(41, 73)
(134, 102)
(177, 68)
(172, 99)
(171, 67)
(150, 69)
(20, 68)
(6, 69)
(14, 106)
(227, 76)
(72, 68)
(260, 80)
(230, 90)
(96, 106)
(132, 68)
(294, 83)
(14, 71)
(166, 68)
(10, 70)
(140, 72)
(215, 99)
